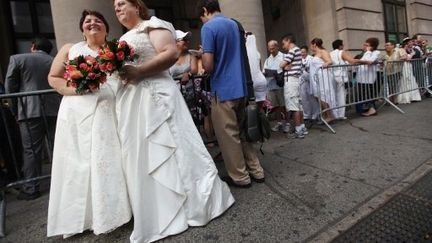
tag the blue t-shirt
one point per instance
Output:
(221, 36)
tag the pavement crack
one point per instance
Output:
(404, 136)
(362, 129)
(274, 185)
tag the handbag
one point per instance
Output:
(280, 79)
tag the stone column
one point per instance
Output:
(250, 14)
(66, 15)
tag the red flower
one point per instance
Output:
(110, 66)
(84, 66)
(90, 60)
(102, 67)
(103, 78)
(122, 44)
(91, 76)
(120, 55)
(93, 87)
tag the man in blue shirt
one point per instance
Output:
(222, 59)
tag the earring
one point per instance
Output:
(85, 38)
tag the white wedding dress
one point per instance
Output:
(322, 83)
(408, 82)
(258, 78)
(172, 180)
(88, 188)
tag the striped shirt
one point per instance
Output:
(293, 58)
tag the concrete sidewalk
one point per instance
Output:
(315, 187)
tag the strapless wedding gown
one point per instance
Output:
(171, 178)
(88, 188)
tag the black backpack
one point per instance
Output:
(256, 124)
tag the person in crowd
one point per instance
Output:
(187, 64)
(393, 68)
(171, 178)
(292, 64)
(28, 72)
(309, 102)
(258, 78)
(202, 87)
(416, 41)
(340, 75)
(322, 85)
(88, 187)
(367, 77)
(400, 75)
(275, 92)
(222, 59)
(360, 55)
(426, 47)
(414, 54)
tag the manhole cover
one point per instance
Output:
(422, 188)
(402, 219)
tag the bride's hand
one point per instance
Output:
(129, 74)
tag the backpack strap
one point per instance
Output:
(245, 61)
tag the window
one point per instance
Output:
(31, 18)
(395, 20)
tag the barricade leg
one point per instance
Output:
(328, 125)
(390, 83)
(2, 214)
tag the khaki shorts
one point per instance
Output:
(292, 94)
(276, 97)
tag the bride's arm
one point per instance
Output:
(55, 76)
(165, 46)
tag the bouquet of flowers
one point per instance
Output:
(114, 54)
(84, 74)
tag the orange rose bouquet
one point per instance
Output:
(84, 74)
(114, 54)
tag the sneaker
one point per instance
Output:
(277, 127)
(286, 128)
(299, 134)
(305, 131)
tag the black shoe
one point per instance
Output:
(230, 182)
(261, 180)
(28, 196)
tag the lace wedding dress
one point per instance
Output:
(171, 178)
(88, 188)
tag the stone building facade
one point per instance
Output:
(350, 20)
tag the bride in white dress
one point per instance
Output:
(171, 178)
(88, 189)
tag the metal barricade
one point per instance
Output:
(340, 86)
(7, 102)
(427, 85)
(404, 80)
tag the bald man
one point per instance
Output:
(275, 93)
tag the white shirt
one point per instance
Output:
(367, 74)
(273, 63)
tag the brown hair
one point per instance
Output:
(86, 13)
(142, 8)
(318, 42)
(373, 42)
